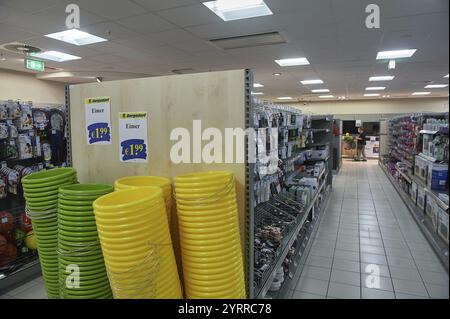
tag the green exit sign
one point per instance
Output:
(34, 65)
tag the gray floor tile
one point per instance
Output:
(377, 294)
(435, 278)
(370, 268)
(347, 255)
(367, 234)
(410, 287)
(312, 286)
(373, 259)
(405, 273)
(346, 265)
(35, 292)
(305, 295)
(316, 273)
(342, 291)
(354, 247)
(346, 277)
(406, 296)
(398, 252)
(429, 266)
(437, 291)
(395, 244)
(371, 242)
(372, 249)
(322, 252)
(318, 261)
(401, 262)
(6, 296)
(24, 287)
(376, 282)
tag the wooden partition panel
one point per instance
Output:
(218, 99)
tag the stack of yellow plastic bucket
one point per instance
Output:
(209, 236)
(78, 244)
(41, 194)
(135, 239)
(133, 182)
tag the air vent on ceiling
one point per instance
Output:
(249, 41)
(20, 48)
(183, 71)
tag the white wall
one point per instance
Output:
(24, 86)
(392, 106)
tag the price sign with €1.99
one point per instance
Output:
(98, 121)
(133, 137)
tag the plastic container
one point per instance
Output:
(209, 236)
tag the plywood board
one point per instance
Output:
(218, 99)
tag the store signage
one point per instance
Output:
(133, 137)
(98, 120)
(34, 65)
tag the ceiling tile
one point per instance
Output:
(111, 9)
(10, 33)
(109, 30)
(158, 5)
(29, 6)
(190, 15)
(147, 24)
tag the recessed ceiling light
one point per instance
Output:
(258, 85)
(75, 36)
(371, 95)
(326, 96)
(320, 91)
(257, 93)
(376, 88)
(421, 93)
(292, 62)
(310, 82)
(386, 96)
(396, 54)
(277, 74)
(342, 98)
(381, 78)
(436, 86)
(285, 98)
(229, 10)
(446, 76)
(55, 56)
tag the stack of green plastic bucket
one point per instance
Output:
(79, 247)
(41, 194)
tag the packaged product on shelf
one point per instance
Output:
(3, 190)
(3, 111)
(432, 211)
(421, 198)
(25, 146)
(14, 110)
(40, 118)
(413, 194)
(4, 131)
(12, 178)
(438, 176)
(13, 131)
(421, 167)
(25, 121)
(443, 230)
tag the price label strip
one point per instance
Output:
(98, 120)
(133, 137)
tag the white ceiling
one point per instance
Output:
(154, 37)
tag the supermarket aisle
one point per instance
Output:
(366, 226)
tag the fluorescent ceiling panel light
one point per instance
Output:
(311, 82)
(376, 88)
(55, 56)
(396, 54)
(277, 74)
(229, 10)
(446, 76)
(326, 96)
(258, 85)
(257, 93)
(421, 93)
(285, 98)
(381, 78)
(75, 36)
(392, 65)
(371, 95)
(436, 86)
(320, 91)
(292, 62)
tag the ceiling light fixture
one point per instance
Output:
(277, 74)
(436, 86)
(386, 96)
(285, 98)
(421, 93)
(55, 56)
(376, 88)
(371, 95)
(395, 54)
(75, 36)
(292, 62)
(229, 10)
(342, 98)
(392, 65)
(99, 79)
(257, 93)
(381, 78)
(2, 58)
(320, 91)
(258, 85)
(446, 76)
(326, 96)
(311, 82)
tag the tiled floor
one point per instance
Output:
(366, 227)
